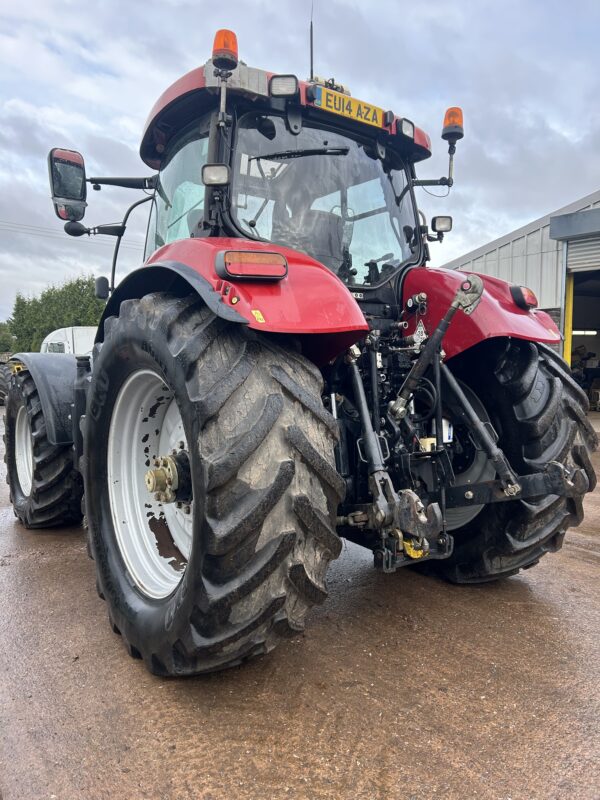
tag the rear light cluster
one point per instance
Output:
(525, 298)
(250, 265)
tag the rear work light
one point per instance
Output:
(215, 174)
(406, 128)
(524, 297)
(283, 86)
(250, 265)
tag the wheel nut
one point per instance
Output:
(469, 495)
(187, 510)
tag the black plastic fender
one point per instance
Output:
(54, 377)
(167, 276)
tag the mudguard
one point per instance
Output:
(496, 315)
(310, 303)
(54, 377)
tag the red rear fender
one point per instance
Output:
(496, 315)
(310, 302)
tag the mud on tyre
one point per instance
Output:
(260, 532)
(45, 489)
(539, 413)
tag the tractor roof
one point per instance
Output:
(197, 92)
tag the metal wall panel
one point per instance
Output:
(532, 260)
(529, 256)
(583, 254)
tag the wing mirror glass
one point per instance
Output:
(67, 183)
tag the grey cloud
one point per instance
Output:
(527, 75)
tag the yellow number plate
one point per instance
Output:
(349, 107)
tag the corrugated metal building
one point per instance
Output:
(558, 256)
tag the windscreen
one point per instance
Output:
(323, 193)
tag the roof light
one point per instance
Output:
(525, 298)
(453, 125)
(250, 265)
(225, 50)
(283, 86)
(215, 174)
(406, 128)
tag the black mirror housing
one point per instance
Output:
(66, 169)
(101, 289)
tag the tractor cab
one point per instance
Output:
(241, 152)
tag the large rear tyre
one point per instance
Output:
(45, 489)
(4, 380)
(539, 413)
(222, 577)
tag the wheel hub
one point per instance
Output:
(169, 481)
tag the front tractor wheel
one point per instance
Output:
(210, 486)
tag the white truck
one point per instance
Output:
(78, 341)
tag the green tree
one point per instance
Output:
(7, 342)
(70, 304)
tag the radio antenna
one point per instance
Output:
(311, 42)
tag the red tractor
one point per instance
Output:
(284, 371)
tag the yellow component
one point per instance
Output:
(427, 443)
(568, 331)
(348, 107)
(258, 316)
(15, 366)
(413, 551)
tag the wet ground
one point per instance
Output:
(403, 687)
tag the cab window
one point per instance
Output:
(178, 208)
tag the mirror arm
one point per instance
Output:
(449, 181)
(434, 182)
(124, 183)
(118, 242)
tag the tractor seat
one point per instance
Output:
(318, 233)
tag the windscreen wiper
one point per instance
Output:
(283, 155)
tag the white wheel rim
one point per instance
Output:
(155, 539)
(24, 451)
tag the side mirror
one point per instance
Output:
(66, 169)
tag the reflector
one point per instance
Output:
(524, 297)
(250, 265)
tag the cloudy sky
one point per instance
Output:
(84, 75)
